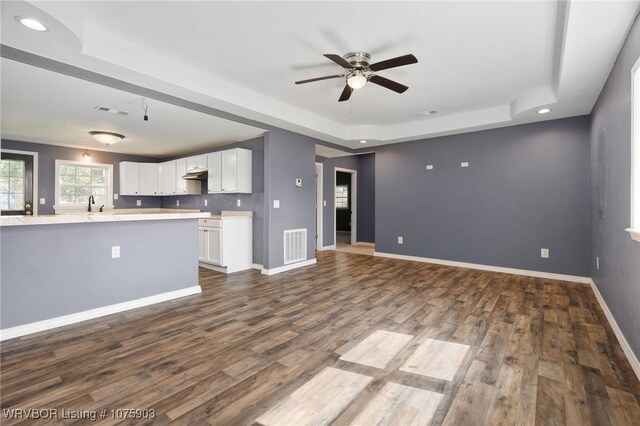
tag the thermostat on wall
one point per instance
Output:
(299, 182)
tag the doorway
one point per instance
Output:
(18, 175)
(344, 220)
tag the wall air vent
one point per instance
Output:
(111, 110)
(295, 245)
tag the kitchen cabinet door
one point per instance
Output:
(202, 244)
(214, 246)
(229, 170)
(197, 162)
(148, 178)
(129, 178)
(169, 179)
(214, 163)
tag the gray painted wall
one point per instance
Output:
(47, 156)
(37, 285)
(364, 165)
(527, 187)
(288, 156)
(618, 279)
(217, 202)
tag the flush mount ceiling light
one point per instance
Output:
(31, 23)
(107, 138)
(86, 156)
(544, 110)
(363, 141)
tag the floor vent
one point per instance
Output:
(295, 245)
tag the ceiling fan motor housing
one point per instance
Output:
(359, 60)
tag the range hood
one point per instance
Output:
(196, 174)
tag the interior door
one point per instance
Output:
(16, 184)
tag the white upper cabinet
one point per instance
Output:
(197, 162)
(129, 178)
(167, 178)
(230, 171)
(149, 179)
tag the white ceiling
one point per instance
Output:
(46, 107)
(481, 64)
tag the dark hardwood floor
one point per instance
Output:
(540, 351)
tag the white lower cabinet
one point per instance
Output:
(226, 242)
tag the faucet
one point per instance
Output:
(91, 201)
(101, 208)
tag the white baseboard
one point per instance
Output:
(333, 247)
(289, 267)
(539, 274)
(212, 267)
(257, 266)
(362, 243)
(633, 359)
(35, 327)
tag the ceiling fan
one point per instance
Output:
(360, 71)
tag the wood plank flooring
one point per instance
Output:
(540, 351)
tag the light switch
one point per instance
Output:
(465, 164)
(276, 204)
(400, 240)
(177, 203)
(429, 166)
(324, 203)
(138, 203)
(42, 201)
(115, 196)
(238, 203)
(115, 252)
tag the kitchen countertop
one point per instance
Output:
(116, 215)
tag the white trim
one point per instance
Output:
(289, 267)
(332, 247)
(36, 200)
(354, 215)
(319, 204)
(631, 357)
(35, 327)
(256, 266)
(634, 234)
(539, 274)
(635, 150)
(205, 265)
(59, 206)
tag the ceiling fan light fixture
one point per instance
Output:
(356, 80)
(107, 138)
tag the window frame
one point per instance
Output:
(634, 229)
(336, 197)
(59, 207)
(36, 200)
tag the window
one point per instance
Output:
(342, 197)
(76, 181)
(12, 184)
(635, 152)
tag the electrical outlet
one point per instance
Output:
(115, 252)
(206, 202)
(429, 166)
(238, 203)
(138, 203)
(464, 164)
(42, 201)
(115, 196)
(276, 204)
(544, 253)
(324, 203)
(598, 263)
(177, 203)
(400, 240)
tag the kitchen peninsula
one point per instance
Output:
(61, 269)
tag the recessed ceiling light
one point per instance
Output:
(544, 110)
(363, 141)
(31, 23)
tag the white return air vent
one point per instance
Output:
(295, 245)
(111, 110)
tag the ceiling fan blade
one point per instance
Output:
(311, 80)
(346, 93)
(340, 61)
(389, 84)
(394, 62)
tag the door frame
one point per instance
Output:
(354, 211)
(36, 200)
(319, 204)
